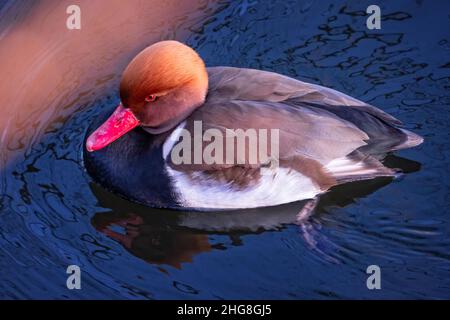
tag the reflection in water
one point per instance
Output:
(173, 238)
(150, 241)
(51, 215)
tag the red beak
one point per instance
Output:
(120, 122)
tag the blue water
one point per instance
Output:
(52, 214)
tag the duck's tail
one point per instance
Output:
(412, 140)
(362, 166)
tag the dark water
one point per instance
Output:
(53, 215)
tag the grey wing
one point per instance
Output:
(314, 134)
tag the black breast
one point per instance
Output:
(132, 166)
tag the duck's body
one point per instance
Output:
(325, 138)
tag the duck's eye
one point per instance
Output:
(151, 98)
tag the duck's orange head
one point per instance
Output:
(160, 87)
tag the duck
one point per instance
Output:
(324, 138)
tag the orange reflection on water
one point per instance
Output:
(49, 71)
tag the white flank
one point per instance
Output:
(203, 191)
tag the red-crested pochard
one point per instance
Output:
(324, 137)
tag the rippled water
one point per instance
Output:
(53, 215)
